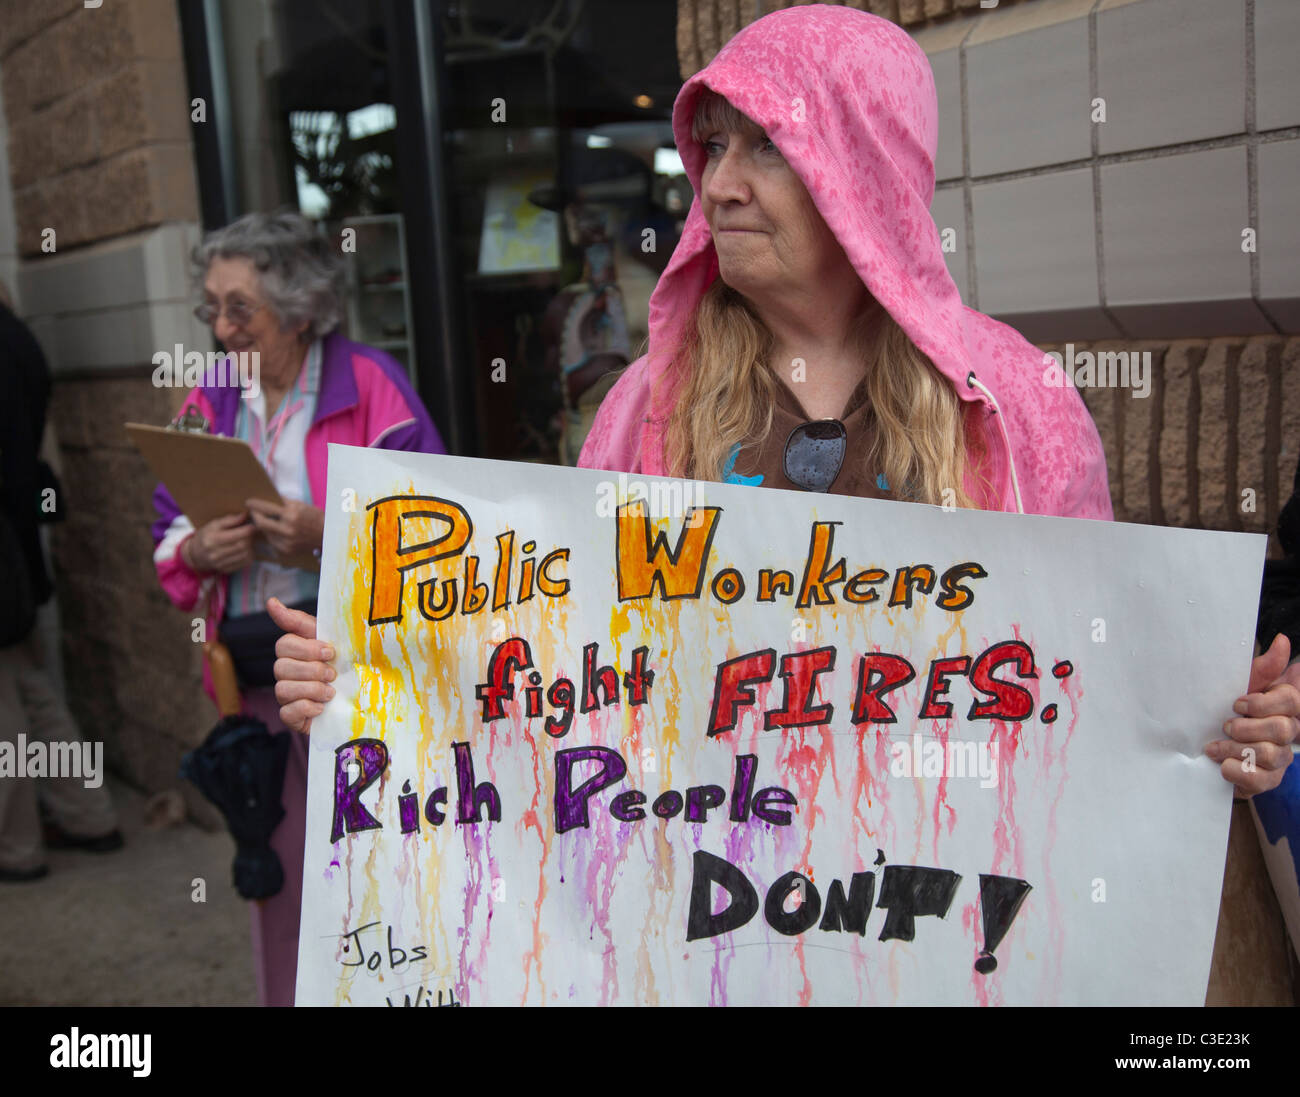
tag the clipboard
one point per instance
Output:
(210, 476)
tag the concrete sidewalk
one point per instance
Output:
(121, 928)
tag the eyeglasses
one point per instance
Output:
(814, 453)
(238, 313)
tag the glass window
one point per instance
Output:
(565, 206)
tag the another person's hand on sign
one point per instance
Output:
(292, 528)
(1258, 750)
(302, 670)
(224, 545)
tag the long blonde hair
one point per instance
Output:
(727, 389)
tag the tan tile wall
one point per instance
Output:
(703, 26)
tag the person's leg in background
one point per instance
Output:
(49, 630)
(80, 813)
(275, 920)
(22, 856)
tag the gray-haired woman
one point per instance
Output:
(271, 288)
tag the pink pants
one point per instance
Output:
(275, 920)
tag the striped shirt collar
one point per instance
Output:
(306, 384)
(309, 375)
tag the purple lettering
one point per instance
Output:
(471, 798)
(570, 802)
(350, 815)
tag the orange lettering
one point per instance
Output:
(644, 564)
(391, 559)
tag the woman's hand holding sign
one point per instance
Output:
(302, 670)
(1258, 751)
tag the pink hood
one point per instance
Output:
(849, 100)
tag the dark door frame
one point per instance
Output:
(419, 88)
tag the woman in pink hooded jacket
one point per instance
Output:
(810, 265)
(807, 334)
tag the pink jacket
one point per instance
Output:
(848, 98)
(364, 399)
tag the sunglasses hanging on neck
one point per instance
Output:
(814, 454)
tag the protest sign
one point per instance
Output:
(610, 740)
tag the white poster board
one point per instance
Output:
(990, 791)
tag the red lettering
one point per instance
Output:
(1009, 701)
(799, 672)
(937, 687)
(879, 673)
(732, 687)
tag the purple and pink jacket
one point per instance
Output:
(364, 399)
(849, 100)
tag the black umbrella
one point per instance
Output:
(240, 768)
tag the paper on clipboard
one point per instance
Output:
(210, 476)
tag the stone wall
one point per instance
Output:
(98, 118)
(97, 111)
(1215, 444)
